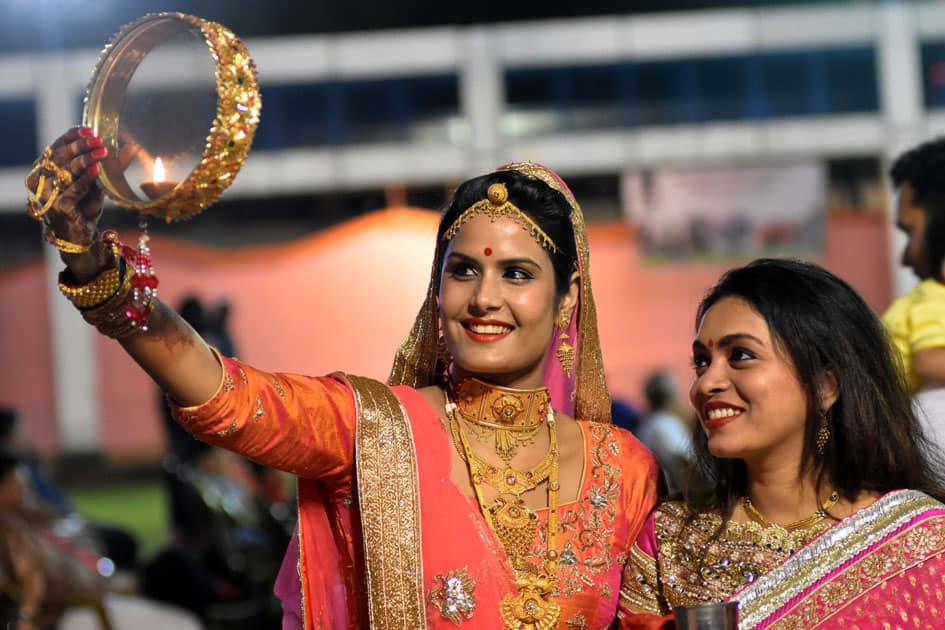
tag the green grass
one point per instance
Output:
(141, 508)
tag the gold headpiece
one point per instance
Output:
(496, 205)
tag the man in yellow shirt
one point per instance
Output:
(916, 321)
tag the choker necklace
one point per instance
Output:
(533, 607)
(514, 415)
(821, 512)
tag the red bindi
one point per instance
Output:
(711, 343)
(487, 251)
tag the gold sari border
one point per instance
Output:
(389, 502)
(828, 553)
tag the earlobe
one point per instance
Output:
(570, 299)
(829, 389)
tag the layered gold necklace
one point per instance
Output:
(803, 523)
(516, 527)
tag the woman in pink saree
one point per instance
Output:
(462, 493)
(827, 510)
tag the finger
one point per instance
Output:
(85, 159)
(90, 206)
(74, 194)
(72, 135)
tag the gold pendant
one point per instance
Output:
(529, 610)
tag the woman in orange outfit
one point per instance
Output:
(463, 492)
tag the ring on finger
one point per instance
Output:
(59, 178)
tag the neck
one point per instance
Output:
(515, 380)
(782, 495)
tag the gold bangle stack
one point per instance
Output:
(94, 293)
(111, 317)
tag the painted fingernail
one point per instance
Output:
(94, 141)
(99, 153)
(92, 172)
(85, 132)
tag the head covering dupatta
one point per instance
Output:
(583, 395)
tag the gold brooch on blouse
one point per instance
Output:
(453, 595)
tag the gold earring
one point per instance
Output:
(565, 351)
(823, 433)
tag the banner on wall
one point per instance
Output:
(713, 214)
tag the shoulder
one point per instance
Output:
(620, 439)
(620, 449)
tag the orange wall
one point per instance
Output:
(343, 300)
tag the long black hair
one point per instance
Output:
(543, 204)
(821, 325)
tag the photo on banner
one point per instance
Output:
(728, 213)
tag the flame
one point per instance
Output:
(159, 174)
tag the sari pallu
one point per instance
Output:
(882, 565)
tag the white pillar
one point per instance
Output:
(481, 94)
(902, 103)
(75, 372)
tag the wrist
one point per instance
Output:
(88, 265)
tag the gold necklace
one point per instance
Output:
(533, 608)
(512, 416)
(804, 523)
(507, 480)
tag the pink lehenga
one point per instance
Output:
(881, 567)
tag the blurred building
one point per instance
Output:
(362, 121)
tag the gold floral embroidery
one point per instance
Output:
(453, 595)
(259, 413)
(228, 430)
(243, 376)
(278, 385)
(586, 528)
(577, 621)
(228, 383)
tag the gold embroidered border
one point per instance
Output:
(828, 553)
(389, 499)
(907, 549)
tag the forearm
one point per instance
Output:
(176, 357)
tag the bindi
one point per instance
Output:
(711, 343)
(487, 251)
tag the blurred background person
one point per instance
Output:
(664, 431)
(916, 320)
(46, 502)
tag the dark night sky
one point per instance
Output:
(28, 25)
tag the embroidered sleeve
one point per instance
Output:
(640, 589)
(300, 424)
(640, 475)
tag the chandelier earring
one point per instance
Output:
(565, 351)
(823, 433)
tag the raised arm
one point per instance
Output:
(65, 197)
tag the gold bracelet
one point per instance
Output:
(63, 245)
(93, 293)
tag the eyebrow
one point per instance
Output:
(502, 261)
(728, 340)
